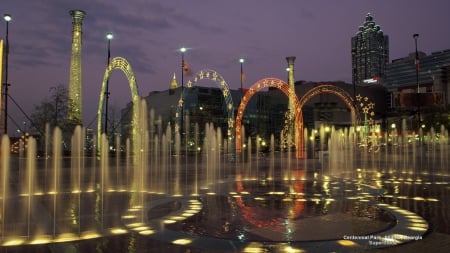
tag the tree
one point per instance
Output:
(51, 110)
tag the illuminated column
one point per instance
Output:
(290, 121)
(74, 114)
(291, 80)
(1, 73)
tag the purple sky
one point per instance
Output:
(148, 34)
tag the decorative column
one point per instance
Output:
(74, 115)
(291, 80)
(290, 133)
(1, 77)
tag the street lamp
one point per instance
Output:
(241, 61)
(182, 50)
(416, 37)
(7, 18)
(109, 37)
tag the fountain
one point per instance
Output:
(355, 197)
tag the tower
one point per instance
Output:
(74, 114)
(370, 52)
(173, 85)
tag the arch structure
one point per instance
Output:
(123, 65)
(298, 105)
(330, 89)
(285, 88)
(218, 79)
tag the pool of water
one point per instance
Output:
(284, 211)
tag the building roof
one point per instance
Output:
(173, 83)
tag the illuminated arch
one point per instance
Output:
(122, 64)
(330, 89)
(218, 79)
(285, 88)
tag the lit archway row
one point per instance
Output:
(330, 89)
(285, 88)
(218, 79)
(122, 64)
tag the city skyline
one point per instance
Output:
(149, 33)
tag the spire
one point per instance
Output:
(173, 84)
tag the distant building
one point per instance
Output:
(434, 80)
(370, 52)
(264, 115)
(329, 109)
(203, 105)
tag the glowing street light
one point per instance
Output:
(416, 61)
(109, 37)
(241, 61)
(182, 50)
(7, 18)
(415, 37)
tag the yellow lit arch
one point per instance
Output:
(330, 89)
(122, 64)
(209, 74)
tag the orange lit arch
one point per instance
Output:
(285, 88)
(298, 105)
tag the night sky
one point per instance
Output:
(148, 34)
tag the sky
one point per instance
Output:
(148, 33)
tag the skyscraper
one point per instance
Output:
(370, 52)
(74, 115)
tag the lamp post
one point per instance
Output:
(241, 61)
(182, 50)
(7, 18)
(416, 37)
(109, 37)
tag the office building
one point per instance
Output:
(432, 81)
(370, 52)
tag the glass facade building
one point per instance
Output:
(370, 52)
(433, 78)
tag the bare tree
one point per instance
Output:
(51, 110)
